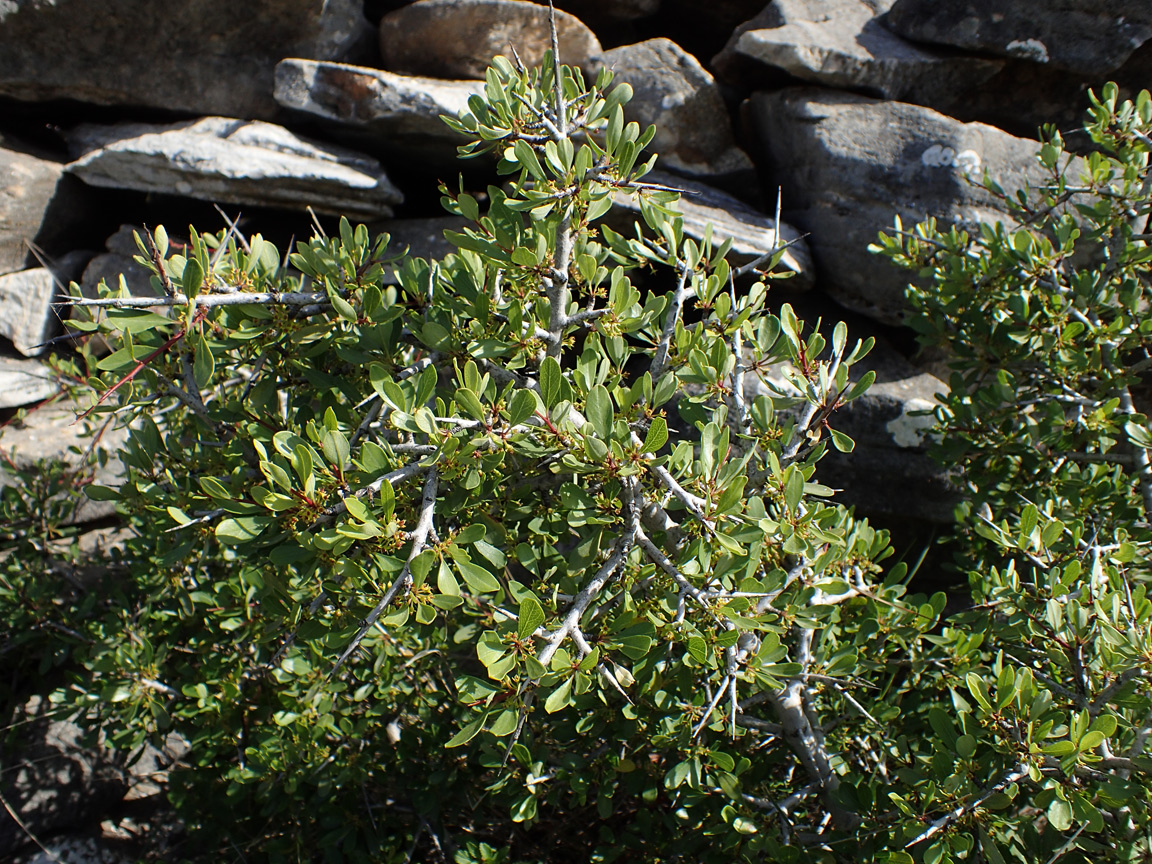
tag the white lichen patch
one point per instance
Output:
(911, 427)
(1028, 49)
(943, 156)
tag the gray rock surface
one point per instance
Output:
(1084, 36)
(377, 110)
(54, 432)
(53, 781)
(842, 43)
(847, 164)
(672, 90)
(26, 309)
(890, 474)
(27, 316)
(234, 161)
(459, 38)
(199, 56)
(753, 233)
(24, 381)
(36, 200)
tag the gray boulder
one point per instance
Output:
(842, 43)
(1084, 36)
(459, 38)
(674, 92)
(234, 161)
(753, 233)
(28, 317)
(847, 164)
(38, 203)
(890, 474)
(377, 110)
(199, 56)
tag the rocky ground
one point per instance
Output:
(120, 113)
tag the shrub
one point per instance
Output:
(504, 559)
(1048, 330)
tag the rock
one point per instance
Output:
(26, 309)
(38, 203)
(752, 232)
(847, 164)
(24, 381)
(459, 38)
(843, 44)
(198, 56)
(234, 161)
(674, 92)
(889, 474)
(377, 109)
(51, 779)
(1084, 36)
(27, 316)
(54, 432)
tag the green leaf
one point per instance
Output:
(793, 487)
(1060, 814)
(192, 278)
(598, 408)
(101, 493)
(526, 156)
(204, 364)
(550, 376)
(467, 733)
(335, 448)
(841, 441)
(343, 307)
(233, 532)
(479, 580)
(521, 406)
(468, 400)
(559, 698)
(657, 435)
(531, 616)
(698, 648)
(860, 387)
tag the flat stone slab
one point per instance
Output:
(1088, 37)
(843, 43)
(236, 162)
(753, 233)
(378, 109)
